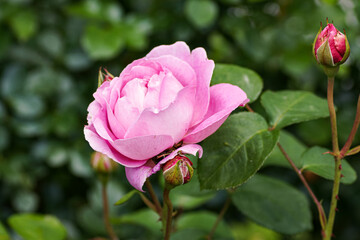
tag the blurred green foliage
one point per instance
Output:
(50, 53)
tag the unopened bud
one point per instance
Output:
(178, 171)
(331, 49)
(102, 163)
(104, 76)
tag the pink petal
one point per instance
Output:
(181, 70)
(143, 147)
(170, 88)
(224, 98)
(141, 68)
(204, 70)
(173, 121)
(115, 125)
(135, 91)
(116, 86)
(101, 145)
(137, 176)
(101, 127)
(102, 93)
(178, 49)
(125, 113)
(162, 91)
(93, 110)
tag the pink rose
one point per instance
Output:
(156, 102)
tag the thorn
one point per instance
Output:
(344, 31)
(327, 20)
(341, 176)
(331, 153)
(336, 209)
(337, 197)
(340, 167)
(320, 24)
(333, 235)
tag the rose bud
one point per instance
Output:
(331, 48)
(102, 163)
(102, 77)
(178, 171)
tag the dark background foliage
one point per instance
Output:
(50, 53)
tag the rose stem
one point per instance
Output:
(148, 203)
(337, 157)
(168, 214)
(108, 226)
(354, 129)
(303, 180)
(219, 218)
(154, 197)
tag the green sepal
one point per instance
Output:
(313, 46)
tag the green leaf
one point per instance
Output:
(37, 227)
(274, 204)
(236, 151)
(202, 220)
(251, 230)
(24, 23)
(323, 165)
(3, 233)
(202, 13)
(145, 218)
(126, 197)
(293, 147)
(288, 107)
(103, 42)
(246, 79)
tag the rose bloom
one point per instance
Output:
(157, 102)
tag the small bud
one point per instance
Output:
(331, 49)
(102, 77)
(102, 163)
(178, 171)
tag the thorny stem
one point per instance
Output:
(354, 129)
(154, 197)
(108, 226)
(337, 157)
(303, 180)
(219, 218)
(169, 212)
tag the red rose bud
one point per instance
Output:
(331, 47)
(178, 171)
(102, 163)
